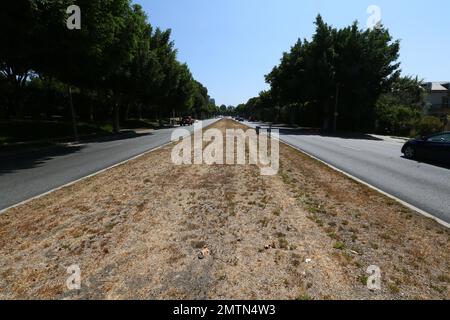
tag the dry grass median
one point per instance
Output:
(151, 230)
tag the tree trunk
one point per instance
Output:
(19, 83)
(124, 112)
(91, 112)
(139, 110)
(50, 97)
(336, 109)
(116, 117)
(74, 119)
(18, 101)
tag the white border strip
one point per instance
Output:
(406, 204)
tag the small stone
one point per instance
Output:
(203, 253)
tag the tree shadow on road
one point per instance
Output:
(27, 157)
(33, 158)
(430, 162)
(318, 132)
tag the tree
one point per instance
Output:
(19, 41)
(117, 64)
(338, 75)
(223, 109)
(400, 109)
(201, 101)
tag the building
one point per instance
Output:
(438, 98)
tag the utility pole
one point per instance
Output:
(336, 111)
(72, 111)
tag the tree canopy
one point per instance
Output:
(338, 72)
(118, 63)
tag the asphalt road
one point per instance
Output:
(34, 173)
(380, 163)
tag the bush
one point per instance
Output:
(429, 125)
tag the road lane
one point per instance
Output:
(380, 163)
(38, 172)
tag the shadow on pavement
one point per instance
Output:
(27, 157)
(318, 132)
(124, 135)
(430, 162)
(33, 158)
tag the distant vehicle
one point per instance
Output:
(434, 147)
(240, 119)
(187, 121)
(252, 119)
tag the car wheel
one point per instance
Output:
(410, 152)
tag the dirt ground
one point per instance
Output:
(151, 230)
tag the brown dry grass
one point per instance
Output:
(136, 232)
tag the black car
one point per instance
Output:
(435, 147)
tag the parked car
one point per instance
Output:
(434, 147)
(187, 121)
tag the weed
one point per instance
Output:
(277, 212)
(339, 246)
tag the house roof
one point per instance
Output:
(438, 86)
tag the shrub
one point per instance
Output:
(429, 125)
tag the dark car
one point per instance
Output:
(435, 147)
(187, 121)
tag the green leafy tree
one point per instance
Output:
(338, 75)
(399, 110)
(18, 49)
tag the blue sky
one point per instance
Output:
(230, 45)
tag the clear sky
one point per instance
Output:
(230, 45)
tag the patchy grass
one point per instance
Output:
(339, 246)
